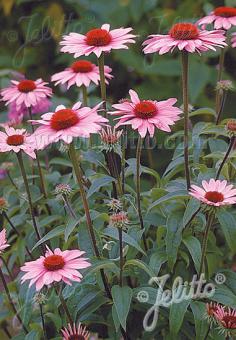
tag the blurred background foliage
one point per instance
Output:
(31, 31)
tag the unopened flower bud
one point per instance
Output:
(224, 85)
(114, 204)
(119, 220)
(63, 189)
(110, 138)
(3, 205)
(231, 127)
(7, 165)
(40, 298)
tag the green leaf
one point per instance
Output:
(99, 183)
(122, 297)
(192, 207)
(157, 259)
(60, 161)
(180, 194)
(201, 326)
(140, 264)
(51, 234)
(70, 226)
(103, 264)
(113, 233)
(225, 296)
(177, 312)
(173, 236)
(194, 247)
(228, 225)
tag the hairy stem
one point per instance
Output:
(186, 116)
(11, 180)
(78, 174)
(22, 168)
(218, 92)
(138, 187)
(231, 144)
(43, 321)
(121, 256)
(11, 301)
(64, 305)
(42, 181)
(102, 83)
(69, 207)
(210, 219)
(17, 233)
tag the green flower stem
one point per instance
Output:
(22, 168)
(43, 321)
(186, 117)
(7, 268)
(11, 301)
(42, 182)
(17, 233)
(218, 92)
(85, 95)
(64, 305)
(221, 106)
(69, 207)
(210, 220)
(231, 144)
(78, 174)
(121, 256)
(102, 83)
(11, 180)
(138, 187)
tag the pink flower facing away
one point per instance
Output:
(74, 332)
(214, 192)
(146, 115)
(26, 92)
(3, 241)
(233, 41)
(81, 72)
(16, 113)
(66, 124)
(97, 40)
(226, 318)
(185, 36)
(17, 140)
(55, 266)
(221, 17)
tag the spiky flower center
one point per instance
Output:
(229, 321)
(63, 119)
(82, 66)
(15, 140)
(225, 12)
(26, 86)
(231, 125)
(54, 262)
(184, 31)
(214, 196)
(145, 109)
(98, 37)
(76, 337)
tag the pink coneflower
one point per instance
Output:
(75, 333)
(65, 124)
(55, 266)
(16, 113)
(185, 36)
(97, 40)
(226, 318)
(214, 192)
(233, 41)
(17, 140)
(211, 308)
(81, 72)
(146, 115)
(26, 92)
(222, 17)
(3, 241)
